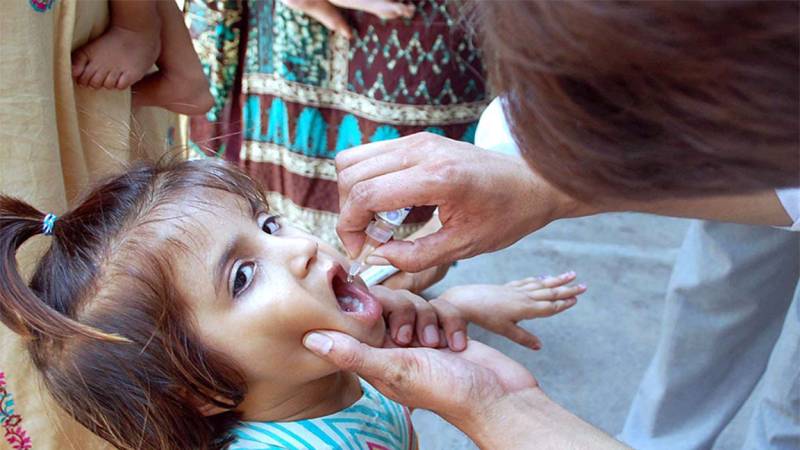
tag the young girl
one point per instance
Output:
(169, 312)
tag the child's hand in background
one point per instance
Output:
(498, 308)
(411, 320)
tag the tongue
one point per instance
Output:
(349, 303)
(347, 296)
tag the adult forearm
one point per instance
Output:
(529, 419)
(762, 208)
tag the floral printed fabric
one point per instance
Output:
(11, 423)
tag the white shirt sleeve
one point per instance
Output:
(493, 132)
(790, 199)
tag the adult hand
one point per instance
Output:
(481, 391)
(327, 11)
(456, 386)
(487, 201)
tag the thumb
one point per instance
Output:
(349, 354)
(441, 247)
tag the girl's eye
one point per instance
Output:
(269, 224)
(242, 277)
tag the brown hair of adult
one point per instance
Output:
(107, 330)
(649, 99)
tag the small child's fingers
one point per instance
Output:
(453, 323)
(323, 11)
(523, 282)
(543, 281)
(385, 9)
(558, 280)
(548, 308)
(557, 293)
(521, 336)
(395, 10)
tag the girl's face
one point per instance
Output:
(256, 286)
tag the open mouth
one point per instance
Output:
(353, 298)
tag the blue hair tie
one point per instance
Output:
(48, 224)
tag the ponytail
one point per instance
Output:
(20, 308)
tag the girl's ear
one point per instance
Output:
(205, 407)
(208, 409)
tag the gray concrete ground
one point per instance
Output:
(594, 354)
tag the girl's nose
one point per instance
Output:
(301, 254)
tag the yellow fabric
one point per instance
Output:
(55, 139)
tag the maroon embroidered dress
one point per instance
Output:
(290, 95)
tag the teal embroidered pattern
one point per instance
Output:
(219, 22)
(300, 47)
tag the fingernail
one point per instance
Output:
(318, 343)
(374, 260)
(459, 340)
(431, 335)
(581, 286)
(404, 334)
(568, 274)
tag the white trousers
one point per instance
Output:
(731, 318)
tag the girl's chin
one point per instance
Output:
(372, 336)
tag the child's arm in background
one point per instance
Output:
(498, 308)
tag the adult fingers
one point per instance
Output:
(422, 377)
(347, 353)
(410, 187)
(355, 155)
(441, 247)
(380, 164)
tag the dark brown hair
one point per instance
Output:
(649, 99)
(106, 328)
